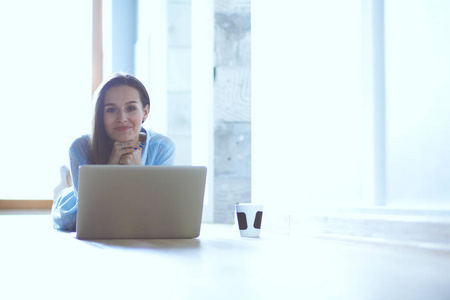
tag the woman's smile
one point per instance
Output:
(122, 128)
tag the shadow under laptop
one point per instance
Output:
(142, 244)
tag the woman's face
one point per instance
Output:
(123, 113)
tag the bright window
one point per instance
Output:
(46, 91)
(417, 102)
(306, 103)
(310, 93)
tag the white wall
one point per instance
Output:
(306, 103)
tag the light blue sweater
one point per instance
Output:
(158, 150)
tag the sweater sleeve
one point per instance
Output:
(162, 150)
(64, 210)
(65, 207)
(165, 155)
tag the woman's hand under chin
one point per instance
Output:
(128, 153)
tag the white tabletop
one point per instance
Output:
(39, 262)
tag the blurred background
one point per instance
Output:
(288, 103)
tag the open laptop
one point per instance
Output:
(140, 202)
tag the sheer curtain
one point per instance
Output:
(46, 91)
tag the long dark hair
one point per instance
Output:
(100, 143)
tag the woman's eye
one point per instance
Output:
(110, 110)
(131, 108)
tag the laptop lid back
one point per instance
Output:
(140, 202)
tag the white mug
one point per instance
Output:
(249, 218)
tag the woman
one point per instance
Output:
(122, 105)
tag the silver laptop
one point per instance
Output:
(140, 202)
